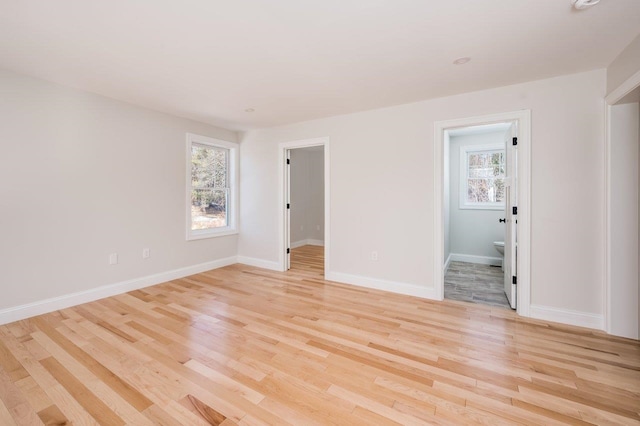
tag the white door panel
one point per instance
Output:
(511, 202)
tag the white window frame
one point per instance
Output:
(464, 170)
(232, 201)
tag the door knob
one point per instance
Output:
(503, 220)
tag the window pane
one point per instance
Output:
(485, 190)
(478, 191)
(208, 166)
(208, 208)
(201, 172)
(481, 172)
(475, 160)
(499, 186)
(485, 173)
(220, 168)
(496, 158)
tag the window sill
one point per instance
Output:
(191, 236)
(482, 207)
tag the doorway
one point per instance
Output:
(305, 195)
(306, 209)
(514, 194)
(622, 207)
(478, 171)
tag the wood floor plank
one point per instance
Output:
(10, 364)
(5, 416)
(160, 417)
(94, 406)
(46, 382)
(98, 386)
(374, 406)
(117, 384)
(246, 346)
(34, 394)
(14, 403)
(53, 416)
(224, 381)
(207, 413)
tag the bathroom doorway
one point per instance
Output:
(475, 213)
(481, 203)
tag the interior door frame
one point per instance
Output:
(523, 120)
(283, 148)
(616, 95)
(287, 210)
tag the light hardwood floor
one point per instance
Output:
(308, 260)
(247, 346)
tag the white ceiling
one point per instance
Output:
(294, 60)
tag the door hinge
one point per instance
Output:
(514, 280)
(288, 161)
(515, 141)
(288, 206)
(514, 210)
(288, 251)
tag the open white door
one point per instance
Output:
(510, 206)
(287, 193)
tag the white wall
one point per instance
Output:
(307, 196)
(473, 231)
(82, 176)
(315, 217)
(624, 66)
(299, 195)
(382, 188)
(624, 220)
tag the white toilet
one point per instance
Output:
(499, 245)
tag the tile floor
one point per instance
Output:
(470, 282)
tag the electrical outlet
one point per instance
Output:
(113, 259)
(145, 253)
(318, 227)
(374, 256)
(302, 227)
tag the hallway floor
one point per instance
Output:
(308, 259)
(471, 282)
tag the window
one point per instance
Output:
(211, 187)
(482, 171)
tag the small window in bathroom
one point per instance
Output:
(482, 177)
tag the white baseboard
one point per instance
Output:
(390, 286)
(260, 263)
(297, 244)
(482, 260)
(308, 242)
(566, 316)
(28, 310)
(446, 263)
